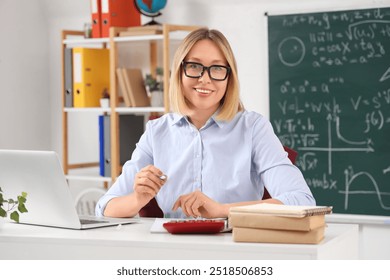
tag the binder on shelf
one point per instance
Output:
(101, 145)
(96, 18)
(107, 146)
(118, 13)
(131, 128)
(135, 87)
(68, 72)
(91, 76)
(122, 87)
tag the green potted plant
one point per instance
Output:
(155, 87)
(13, 206)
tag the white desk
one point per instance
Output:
(374, 232)
(135, 241)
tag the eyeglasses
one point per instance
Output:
(196, 70)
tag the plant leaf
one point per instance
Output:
(22, 208)
(21, 199)
(3, 213)
(15, 216)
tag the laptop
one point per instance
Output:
(49, 200)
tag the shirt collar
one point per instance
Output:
(218, 122)
(178, 119)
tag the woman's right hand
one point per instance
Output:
(147, 184)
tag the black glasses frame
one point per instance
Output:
(207, 68)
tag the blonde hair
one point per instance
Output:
(230, 103)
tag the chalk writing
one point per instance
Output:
(330, 100)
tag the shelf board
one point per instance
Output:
(122, 110)
(88, 110)
(86, 41)
(174, 35)
(139, 109)
(88, 178)
(139, 38)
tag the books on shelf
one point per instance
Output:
(122, 87)
(135, 87)
(278, 236)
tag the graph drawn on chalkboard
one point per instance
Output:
(329, 81)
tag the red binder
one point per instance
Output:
(118, 13)
(96, 18)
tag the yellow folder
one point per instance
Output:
(91, 76)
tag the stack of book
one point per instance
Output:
(274, 223)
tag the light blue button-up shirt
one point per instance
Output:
(228, 161)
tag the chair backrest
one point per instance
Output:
(152, 210)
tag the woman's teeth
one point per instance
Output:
(206, 91)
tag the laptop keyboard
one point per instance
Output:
(88, 222)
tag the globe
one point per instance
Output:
(150, 8)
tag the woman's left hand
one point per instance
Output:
(197, 204)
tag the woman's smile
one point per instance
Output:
(204, 91)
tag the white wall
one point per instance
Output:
(30, 66)
(24, 76)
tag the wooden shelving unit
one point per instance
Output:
(72, 38)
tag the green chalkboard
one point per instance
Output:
(329, 81)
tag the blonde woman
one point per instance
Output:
(214, 153)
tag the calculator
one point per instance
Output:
(194, 226)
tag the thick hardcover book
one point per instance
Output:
(250, 220)
(282, 210)
(278, 236)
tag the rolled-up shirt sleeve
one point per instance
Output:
(283, 180)
(141, 157)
